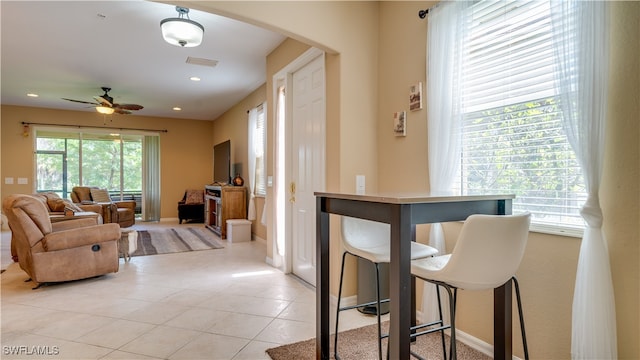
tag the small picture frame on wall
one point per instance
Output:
(415, 97)
(400, 123)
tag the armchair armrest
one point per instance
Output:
(72, 224)
(127, 204)
(72, 238)
(96, 208)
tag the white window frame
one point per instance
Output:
(258, 150)
(507, 95)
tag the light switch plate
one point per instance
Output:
(360, 186)
(8, 180)
(23, 181)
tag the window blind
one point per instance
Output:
(512, 135)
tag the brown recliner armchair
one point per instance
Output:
(119, 212)
(63, 251)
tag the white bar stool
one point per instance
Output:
(370, 240)
(487, 254)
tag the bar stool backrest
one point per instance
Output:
(488, 251)
(361, 234)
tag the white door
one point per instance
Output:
(307, 164)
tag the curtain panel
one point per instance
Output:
(581, 43)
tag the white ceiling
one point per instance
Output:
(69, 49)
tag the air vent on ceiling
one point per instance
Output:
(202, 61)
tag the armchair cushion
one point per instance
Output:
(100, 195)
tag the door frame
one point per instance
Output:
(284, 77)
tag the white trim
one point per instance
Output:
(557, 230)
(255, 237)
(284, 77)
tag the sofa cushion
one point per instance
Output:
(100, 195)
(194, 197)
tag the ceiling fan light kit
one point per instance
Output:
(182, 31)
(104, 110)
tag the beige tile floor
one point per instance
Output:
(215, 304)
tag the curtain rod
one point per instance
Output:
(256, 107)
(423, 13)
(94, 127)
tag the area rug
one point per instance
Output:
(174, 240)
(361, 343)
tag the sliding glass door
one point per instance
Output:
(112, 161)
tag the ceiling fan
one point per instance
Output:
(105, 105)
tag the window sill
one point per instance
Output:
(569, 231)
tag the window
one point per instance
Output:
(511, 129)
(65, 159)
(257, 150)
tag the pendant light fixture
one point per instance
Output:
(182, 31)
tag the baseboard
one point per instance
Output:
(471, 341)
(255, 237)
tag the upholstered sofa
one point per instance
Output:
(63, 209)
(63, 251)
(119, 212)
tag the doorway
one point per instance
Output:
(299, 90)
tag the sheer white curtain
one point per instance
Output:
(444, 46)
(253, 118)
(582, 69)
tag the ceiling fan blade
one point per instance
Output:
(104, 101)
(121, 111)
(128, 106)
(81, 102)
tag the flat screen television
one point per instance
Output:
(222, 162)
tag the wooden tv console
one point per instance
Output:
(222, 203)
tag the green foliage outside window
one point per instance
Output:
(522, 149)
(102, 160)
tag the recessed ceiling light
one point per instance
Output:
(32, 95)
(177, 108)
(194, 78)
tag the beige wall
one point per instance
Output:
(186, 155)
(376, 52)
(374, 80)
(547, 274)
(233, 125)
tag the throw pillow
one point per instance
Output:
(194, 197)
(56, 205)
(100, 195)
(68, 205)
(53, 201)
